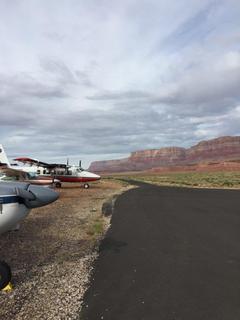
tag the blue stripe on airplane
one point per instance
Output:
(10, 199)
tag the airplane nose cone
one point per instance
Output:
(43, 196)
(90, 176)
(98, 177)
(94, 176)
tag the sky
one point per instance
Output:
(98, 79)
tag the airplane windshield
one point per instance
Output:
(32, 175)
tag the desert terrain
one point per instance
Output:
(52, 255)
(200, 179)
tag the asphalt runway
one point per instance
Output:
(171, 254)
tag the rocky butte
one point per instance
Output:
(208, 153)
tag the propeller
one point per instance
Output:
(53, 178)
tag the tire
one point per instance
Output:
(5, 274)
(86, 186)
(58, 185)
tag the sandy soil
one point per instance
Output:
(51, 256)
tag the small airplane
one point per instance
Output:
(12, 172)
(16, 201)
(62, 172)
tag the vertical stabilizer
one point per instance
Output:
(3, 156)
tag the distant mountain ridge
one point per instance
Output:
(221, 149)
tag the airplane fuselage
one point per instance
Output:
(11, 212)
(71, 174)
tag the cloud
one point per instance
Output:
(118, 96)
(94, 79)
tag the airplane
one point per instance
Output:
(16, 201)
(12, 172)
(62, 172)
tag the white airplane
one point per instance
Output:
(62, 172)
(16, 201)
(26, 174)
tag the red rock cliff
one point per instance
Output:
(224, 148)
(220, 149)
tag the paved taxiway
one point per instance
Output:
(171, 253)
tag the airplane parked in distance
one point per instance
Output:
(11, 172)
(62, 172)
(16, 201)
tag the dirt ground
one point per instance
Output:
(51, 256)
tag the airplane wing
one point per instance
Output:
(36, 162)
(9, 172)
(31, 161)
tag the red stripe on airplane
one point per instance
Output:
(75, 179)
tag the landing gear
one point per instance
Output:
(86, 186)
(58, 185)
(5, 274)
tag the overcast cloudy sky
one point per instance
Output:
(98, 79)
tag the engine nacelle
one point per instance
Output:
(17, 199)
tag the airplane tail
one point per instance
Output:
(3, 157)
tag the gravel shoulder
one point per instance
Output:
(52, 255)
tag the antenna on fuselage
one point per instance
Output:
(80, 165)
(67, 166)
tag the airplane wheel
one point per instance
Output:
(5, 274)
(86, 186)
(58, 185)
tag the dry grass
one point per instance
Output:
(187, 179)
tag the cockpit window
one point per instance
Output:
(32, 175)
